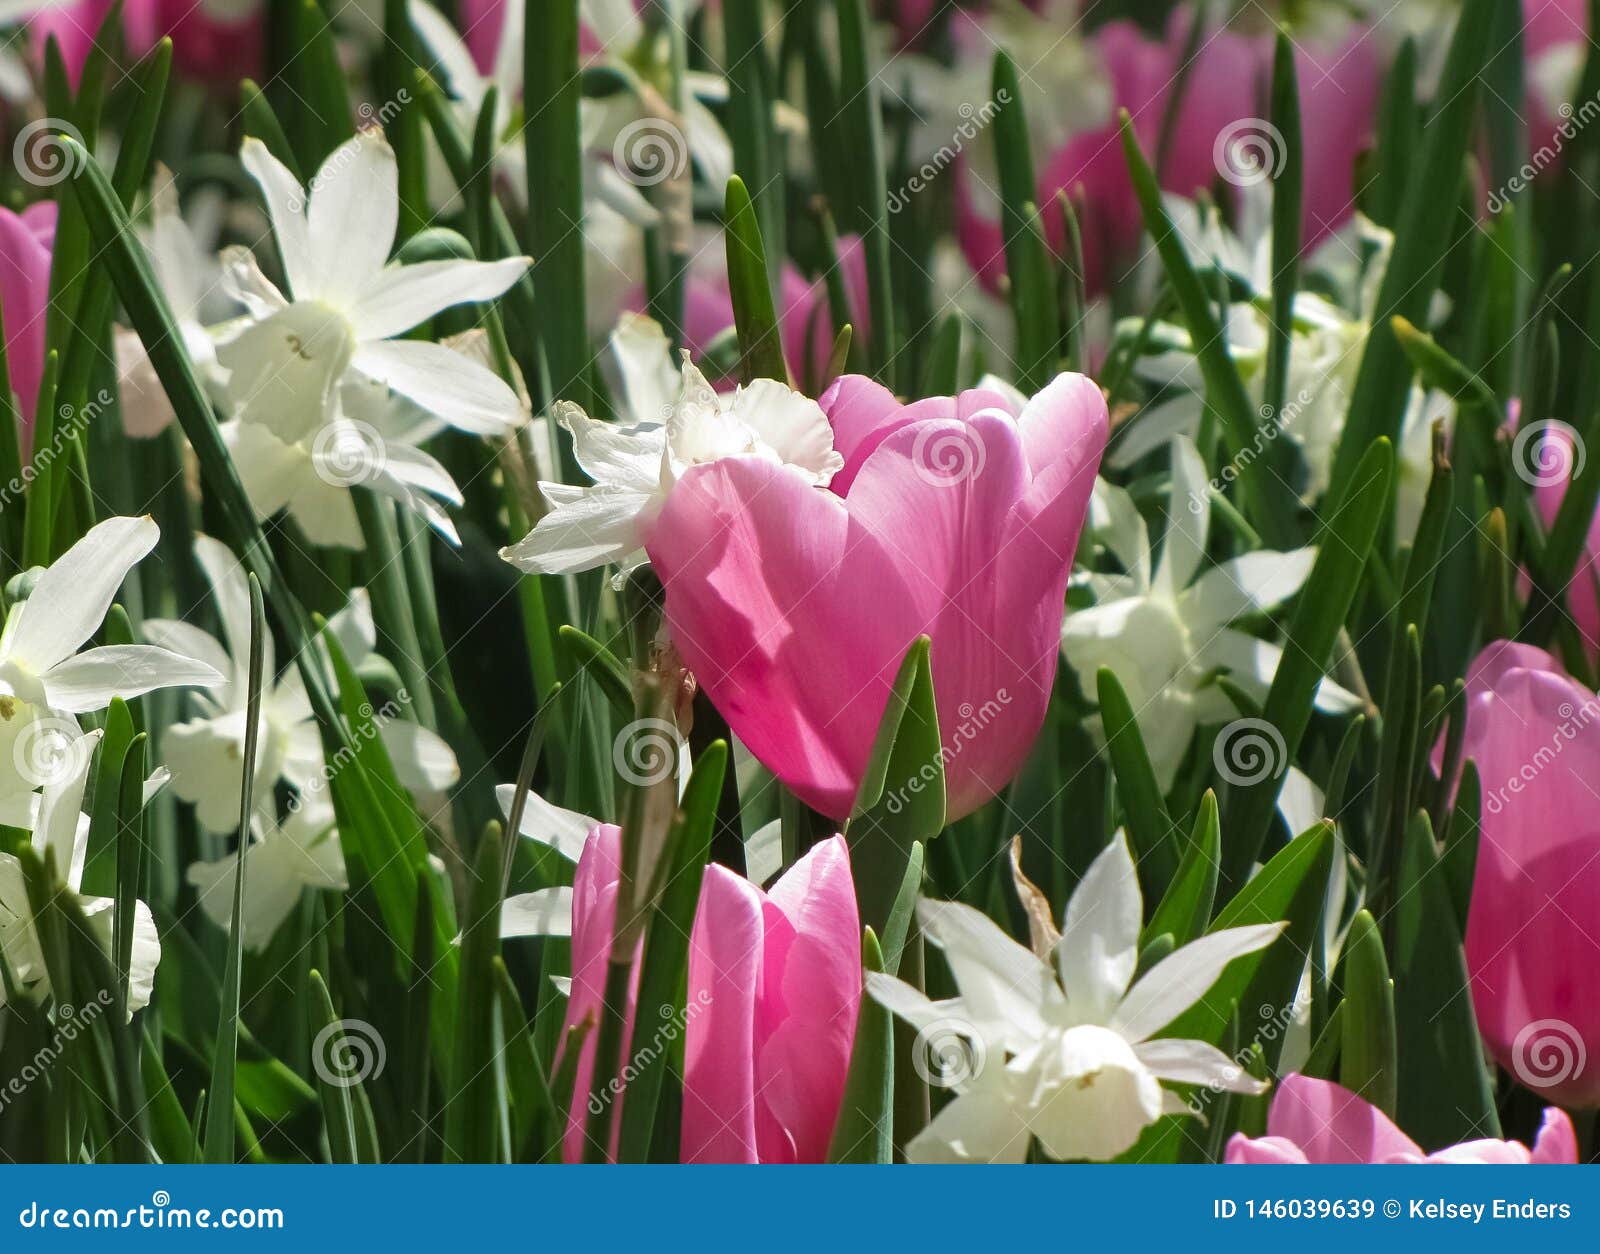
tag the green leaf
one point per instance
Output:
(133, 861)
(1029, 265)
(755, 317)
(902, 796)
(1422, 237)
(1322, 607)
(585, 653)
(864, 155)
(942, 375)
(902, 915)
(1268, 503)
(664, 969)
(219, 1124)
(553, 138)
(1289, 888)
(1446, 1092)
(1367, 1062)
(323, 118)
(1185, 908)
(864, 1131)
(261, 122)
(476, 1126)
(1149, 825)
(336, 1091)
(1287, 180)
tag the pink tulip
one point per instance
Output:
(1225, 95)
(218, 44)
(1552, 465)
(1533, 929)
(1317, 1121)
(955, 518)
(481, 22)
(25, 243)
(773, 989)
(594, 916)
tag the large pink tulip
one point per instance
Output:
(1533, 930)
(26, 239)
(773, 990)
(955, 518)
(1317, 1121)
(774, 987)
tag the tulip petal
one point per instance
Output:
(1330, 1124)
(725, 962)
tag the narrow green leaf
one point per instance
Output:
(476, 1127)
(1446, 1092)
(219, 1129)
(1268, 503)
(1149, 825)
(1185, 908)
(1322, 607)
(755, 317)
(902, 796)
(1422, 235)
(1367, 1061)
(864, 1130)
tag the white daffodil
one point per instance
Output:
(544, 911)
(677, 420)
(1057, 1042)
(45, 680)
(205, 753)
(300, 365)
(1326, 344)
(180, 252)
(284, 860)
(62, 830)
(1167, 634)
(615, 130)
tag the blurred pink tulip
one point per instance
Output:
(25, 243)
(1317, 1121)
(774, 987)
(955, 518)
(218, 43)
(1533, 930)
(1225, 95)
